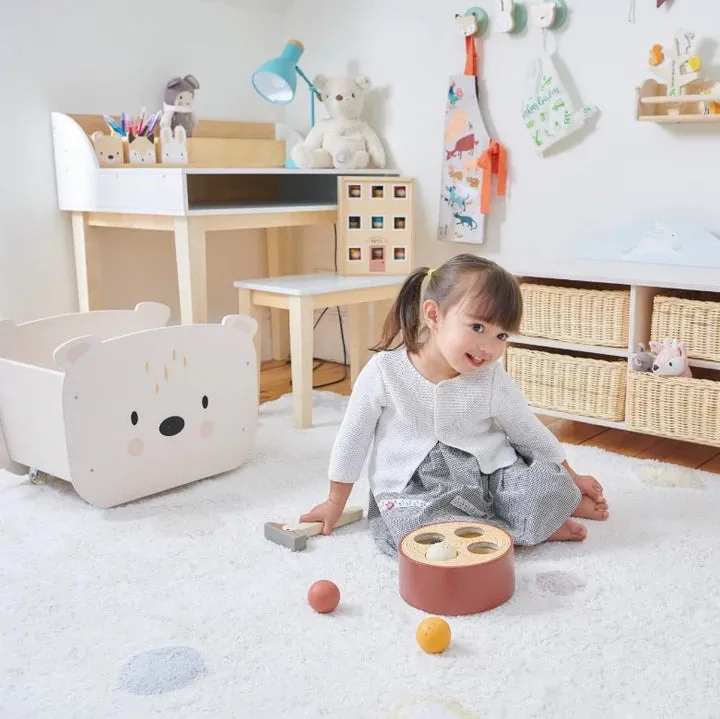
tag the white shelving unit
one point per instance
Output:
(642, 293)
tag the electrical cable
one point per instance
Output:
(342, 333)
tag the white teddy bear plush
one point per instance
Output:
(343, 141)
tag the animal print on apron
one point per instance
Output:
(470, 159)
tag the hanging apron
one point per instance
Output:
(470, 159)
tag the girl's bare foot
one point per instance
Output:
(590, 509)
(569, 532)
(590, 487)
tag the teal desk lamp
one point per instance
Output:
(276, 80)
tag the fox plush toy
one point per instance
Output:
(670, 359)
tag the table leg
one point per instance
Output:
(87, 263)
(359, 352)
(279, 261)
(191, 263)
(246, 307)
(301, 358)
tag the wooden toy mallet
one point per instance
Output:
(295, 536)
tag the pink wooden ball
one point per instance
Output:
(323, 596)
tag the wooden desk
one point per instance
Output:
(189, 202)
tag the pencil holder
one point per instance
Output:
(109, 149)
(141, 150)
(173, 146)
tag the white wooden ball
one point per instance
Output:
(440, 552)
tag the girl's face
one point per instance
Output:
(465, 341)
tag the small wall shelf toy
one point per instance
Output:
(375, 225)
(679, 94)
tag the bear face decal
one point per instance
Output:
(155, 409)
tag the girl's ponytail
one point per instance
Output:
(404, 317)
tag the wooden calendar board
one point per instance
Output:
(375, 225)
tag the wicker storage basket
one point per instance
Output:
(682, 408)
(579, 315)
(577, 385)
(695, 322)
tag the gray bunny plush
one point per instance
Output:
(642, 360)
(177, 104)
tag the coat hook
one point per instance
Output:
(510, 16)
(473, 21)
(550, 15)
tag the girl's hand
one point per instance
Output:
(328, 513)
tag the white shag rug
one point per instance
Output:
(177, 606)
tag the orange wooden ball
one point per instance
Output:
(433, 635)
(323, 596)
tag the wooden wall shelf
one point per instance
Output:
(700, 103)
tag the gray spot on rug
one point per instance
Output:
(561, 584)
(161, 670)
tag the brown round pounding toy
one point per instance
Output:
(470, 569)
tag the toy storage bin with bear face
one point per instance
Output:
(123, 406)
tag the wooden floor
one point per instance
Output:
(275, 381)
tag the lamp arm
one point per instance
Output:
(312, 87)
(313, 91)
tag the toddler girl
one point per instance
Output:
(450, 435)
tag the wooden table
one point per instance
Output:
(300, 295)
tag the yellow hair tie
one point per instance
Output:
(429, 273)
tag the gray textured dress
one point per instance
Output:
(465, 447)
(529, 499)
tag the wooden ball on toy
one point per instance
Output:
(433, 635)
(323, 596)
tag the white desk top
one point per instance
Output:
(259, 208)
(190, 170)
(317, 283)
(194, 170)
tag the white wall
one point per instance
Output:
(78, 59)
(84, 56)
(622, 171)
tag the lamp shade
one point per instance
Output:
(276, 80)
